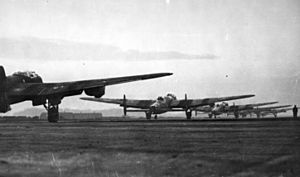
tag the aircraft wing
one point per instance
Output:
(142, 104)
(73, 88)
(271, 107)
(204, 109)
(262, 109)
(285, 109)
(147, 109)
(261, 104)
(202, 102)
(161, 109)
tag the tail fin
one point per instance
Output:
(4, 103)
(2, 75)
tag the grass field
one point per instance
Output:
(150, 148)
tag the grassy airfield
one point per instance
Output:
(140, 148)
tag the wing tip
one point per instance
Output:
(154, 75)
(249, 95)
(169, 74)
(86, 98)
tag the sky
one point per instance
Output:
(214, 48)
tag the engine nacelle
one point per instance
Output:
(96, 92)
(38, 101)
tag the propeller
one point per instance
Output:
(186, 102)
(188, 111)
(124, 105)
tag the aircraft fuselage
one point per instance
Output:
(16, 82)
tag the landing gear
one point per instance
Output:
(188, 111)
(210, 116)
(53, 115)
(148, 115)
(52, 109)
(188, 114)
(155, 117)
(236, 115)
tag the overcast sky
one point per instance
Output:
(239, 47)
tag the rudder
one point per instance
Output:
(2, 75)
(4, 103)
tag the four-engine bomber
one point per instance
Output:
(29, 86)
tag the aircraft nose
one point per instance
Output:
(154, 107)
(214, 110)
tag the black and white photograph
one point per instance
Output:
(149, 88)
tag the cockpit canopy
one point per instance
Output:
(28, 76)
(222, 104)
(172, 96)
(169, 96)
(160, 98)
(225, 104)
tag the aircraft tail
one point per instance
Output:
(4, 103)
(2, 75)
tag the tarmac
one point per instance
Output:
(115, 147)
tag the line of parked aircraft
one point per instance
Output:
(244, 110)
(170, 103)
(29, 86)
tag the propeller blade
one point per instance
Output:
(124, 105)
(186, 102)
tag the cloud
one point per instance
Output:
(46, 49)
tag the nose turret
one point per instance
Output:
(216, 109)
(28, 77)
(219, 108)
(154, 107)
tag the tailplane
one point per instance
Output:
(4, 102)
(2, 75)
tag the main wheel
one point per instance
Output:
(188, 114)
(53, 115)
(148, 115)
(236, 115)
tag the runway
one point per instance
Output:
(150, 148)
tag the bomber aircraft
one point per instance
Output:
(28, 86)
(275, 112)
(224, 107)
(259, 111)
(163, 104)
